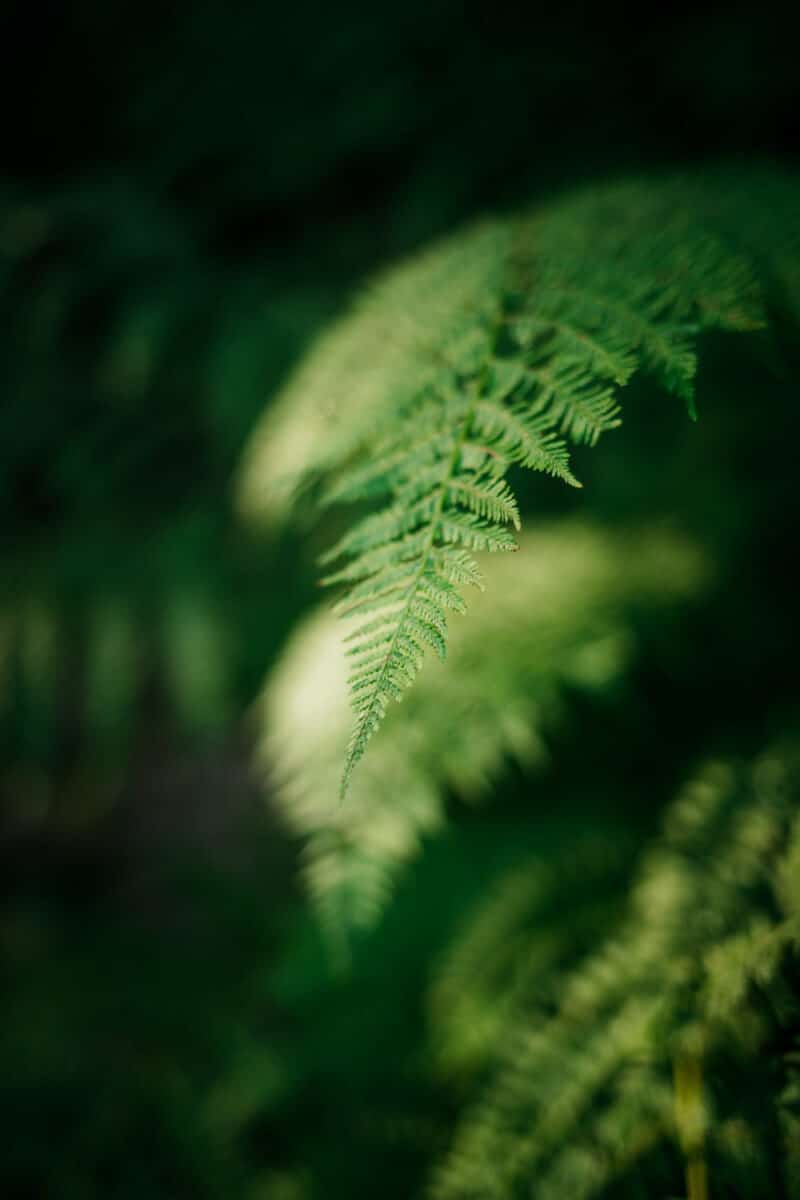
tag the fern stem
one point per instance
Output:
(696, 1179)
(690, 1119)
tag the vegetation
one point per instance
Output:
(546, 943)
(470, 359)
(594, 1060)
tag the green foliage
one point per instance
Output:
(491, 351)
(689, 983)
(602, 1021)
(182, 209)
(561, 616)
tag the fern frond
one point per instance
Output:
(497, 349)
(396, 342)
(612, 277)
(556, 617)
(490, 499)
(482, 981)
(518, 436)
(392, 468)
(570, 397)
(583, 1088)
(608, 357)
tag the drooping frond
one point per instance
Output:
(556, 617)
(492, 351)
(603, 1061)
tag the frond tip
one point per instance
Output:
(389, 650)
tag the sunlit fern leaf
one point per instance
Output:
(557, 617)
(724, 223)
(494, 350)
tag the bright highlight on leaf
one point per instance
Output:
(558, 617)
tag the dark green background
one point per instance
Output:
(188, 193)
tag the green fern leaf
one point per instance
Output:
(497, 349)
(555, 617)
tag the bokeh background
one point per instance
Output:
(189, 192)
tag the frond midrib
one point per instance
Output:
(378, 685)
